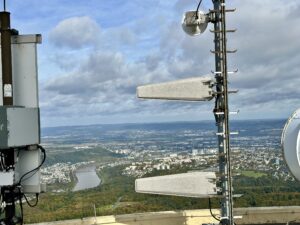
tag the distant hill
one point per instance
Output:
(249, 126)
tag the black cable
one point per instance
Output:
(4, 159)
(36, 202)
(20, 195)
(214, 216)
(199, 5)
(197, 10)
(37, 168)
(4, 167)
(1, 161)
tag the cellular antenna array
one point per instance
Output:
(203, 89)
(21, 156)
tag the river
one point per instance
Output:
(86, 178)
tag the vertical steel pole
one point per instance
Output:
(6, 58)
(222, 112)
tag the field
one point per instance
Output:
(252, 174)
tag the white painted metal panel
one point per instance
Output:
(19, 127)
(191, 89)
(23, 126)
(290, 141)
(6, 178)
(195, 184)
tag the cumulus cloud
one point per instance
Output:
(75, 32)
(103, 83)
(123, 36)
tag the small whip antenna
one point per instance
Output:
(4, 5)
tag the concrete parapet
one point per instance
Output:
(269, 215)
(259, 215)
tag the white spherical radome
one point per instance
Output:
(290, 142)
(194, 25)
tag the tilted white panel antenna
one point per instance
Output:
(191, 89)
(195, 184)
(290, 142)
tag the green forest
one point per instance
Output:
(116, 195)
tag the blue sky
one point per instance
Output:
(94, 54)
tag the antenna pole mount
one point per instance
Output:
(221, 110)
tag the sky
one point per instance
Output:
(95, 53)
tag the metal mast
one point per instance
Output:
(221, 110)
(195, 23)
(6, 58)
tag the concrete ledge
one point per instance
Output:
(188, 217)
(268, 215)
(259, 215)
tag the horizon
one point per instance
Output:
(165, 122)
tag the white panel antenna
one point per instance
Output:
(191, 89)
(194, 184)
